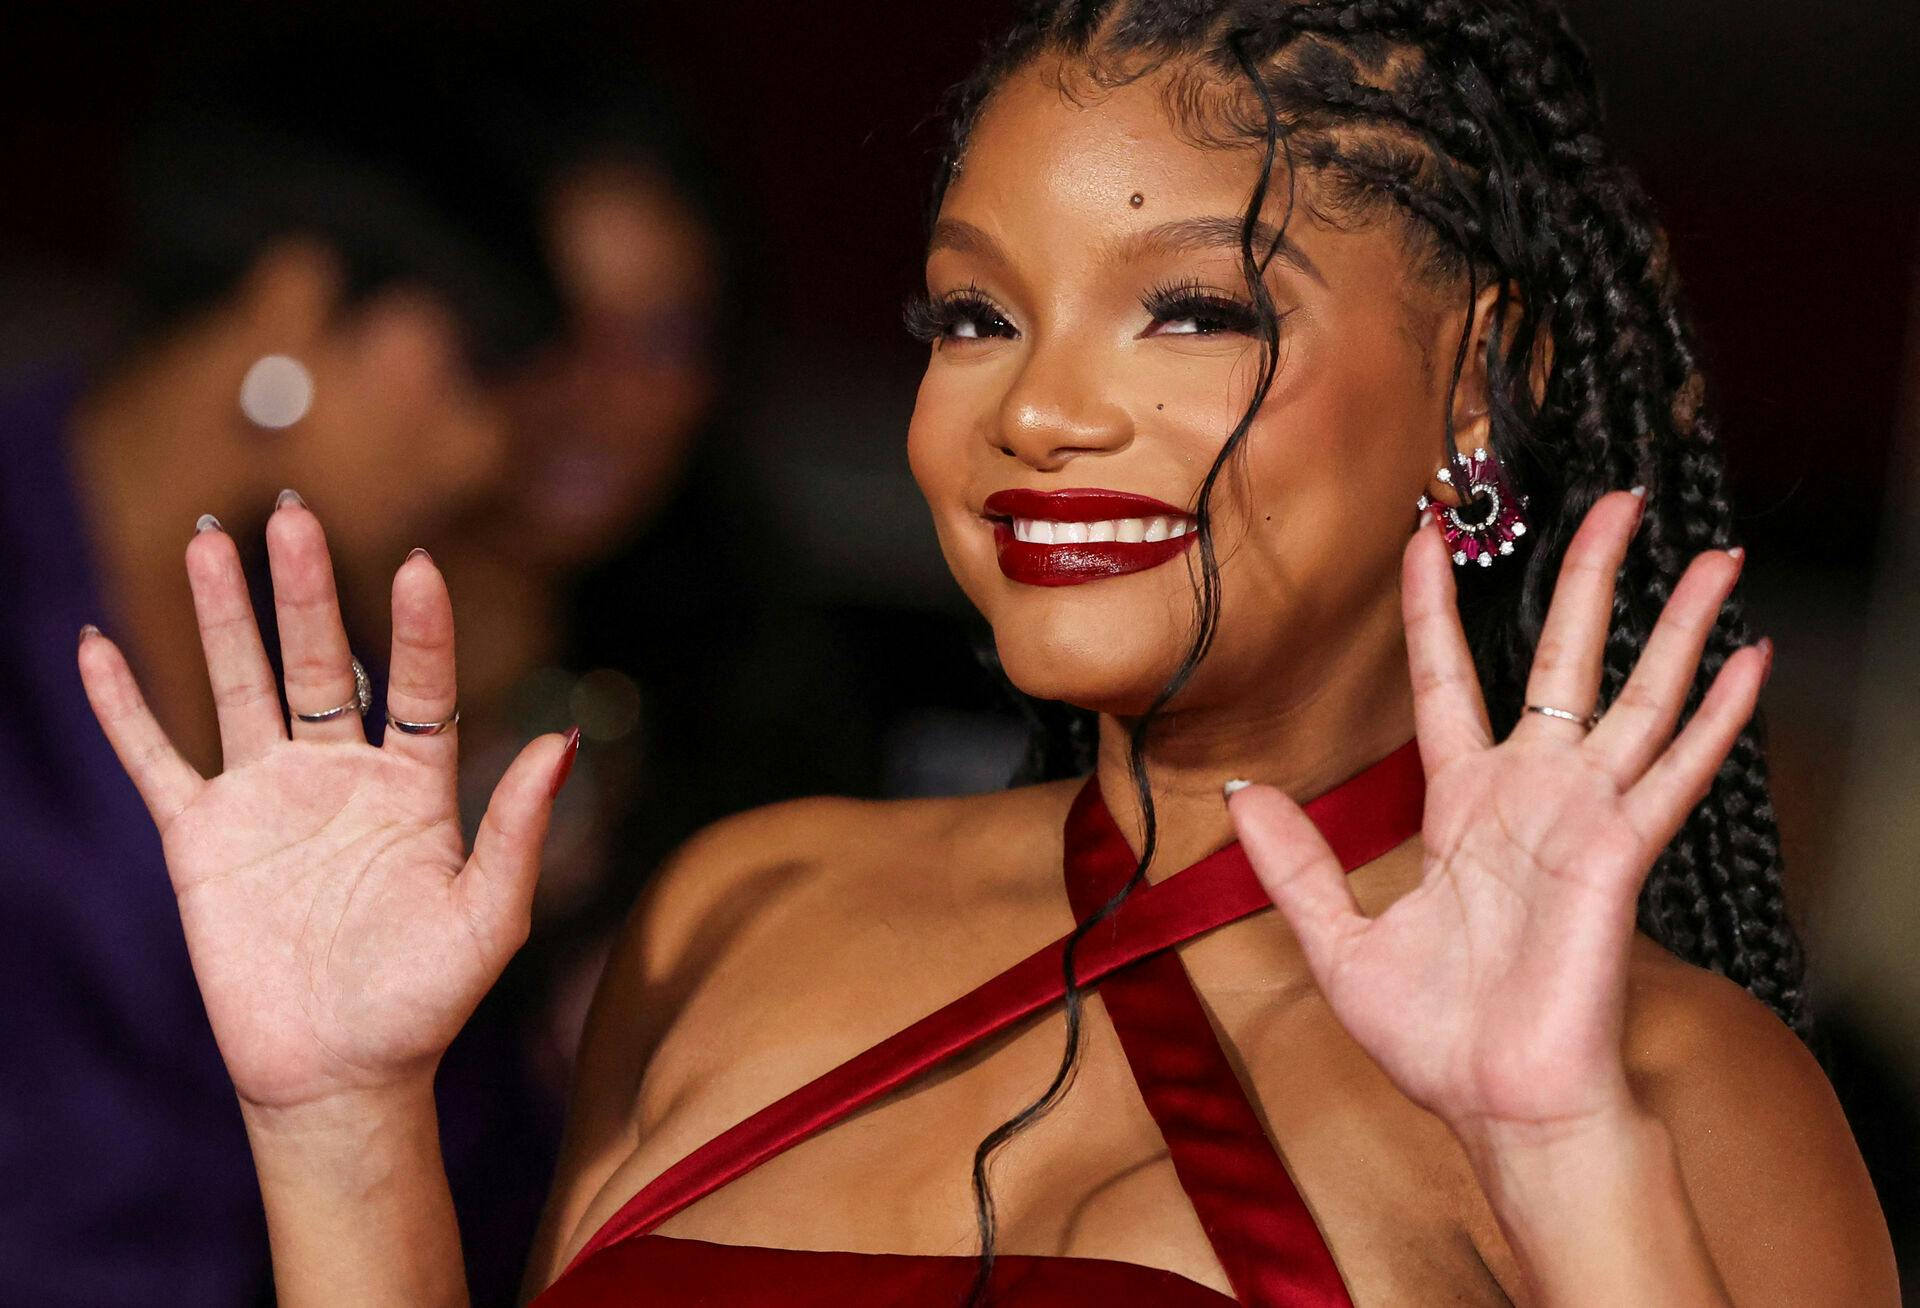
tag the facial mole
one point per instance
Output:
(1137, 199)
(1159, 406)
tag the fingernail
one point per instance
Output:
(418, 553)
(289, 497)
(207, 522)
(1639, 492)
(88, 632)
(564, 768)
(1766, 648)
(1235, 786)
(1739, 555)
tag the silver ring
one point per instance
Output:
(423, 728)
(1588, 722)
(362, 699)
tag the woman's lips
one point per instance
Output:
(1065, 538)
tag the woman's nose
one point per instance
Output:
(1060, 408)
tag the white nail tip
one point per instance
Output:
(1234, 787)
(1640, 491)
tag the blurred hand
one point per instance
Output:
(1494, 993)
(340, 933)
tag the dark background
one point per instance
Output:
(1779, 139)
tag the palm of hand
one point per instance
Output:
(1494, 993)
(339, 932)
(1477, 989)
(316, 889)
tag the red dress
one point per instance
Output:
(1253, 1216)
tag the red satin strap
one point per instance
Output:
(1361, 819)
(1253, 1215)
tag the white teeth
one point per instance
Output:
(1125, 531)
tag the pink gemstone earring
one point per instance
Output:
(1488, 521)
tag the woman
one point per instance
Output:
(1219, 294)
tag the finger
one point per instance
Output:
(1680, 778)
(1566, 663)
(420, 684)
(1639, 723)
(165, 781)
(1300, 873)
(243, 688)
(496, 888)
(1449, 712)
(313, 643)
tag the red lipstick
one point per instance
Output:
(1069, 563)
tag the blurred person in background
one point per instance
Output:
(624, 561)
(333, 272)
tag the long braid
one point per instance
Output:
(1477, 124)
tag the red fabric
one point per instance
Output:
(1361, 819)
(1253, 1215)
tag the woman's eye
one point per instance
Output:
(959, 316)
(1192, 308)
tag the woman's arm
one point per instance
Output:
(339, 932)
(358, 1209)
(1495, 994)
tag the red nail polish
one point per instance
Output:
(564, 768)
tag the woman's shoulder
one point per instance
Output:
(812, 922)
(1783, 1195)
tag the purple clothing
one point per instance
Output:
(125, 1176)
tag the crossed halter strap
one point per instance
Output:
(1253, 1215)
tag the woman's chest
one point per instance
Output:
(1095, 1177)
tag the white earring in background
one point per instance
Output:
(277, 392)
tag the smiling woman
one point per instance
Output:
(1227, 303)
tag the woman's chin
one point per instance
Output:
(1102, 680)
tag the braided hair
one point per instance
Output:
(1475, 126)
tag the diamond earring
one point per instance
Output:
(1488, 521)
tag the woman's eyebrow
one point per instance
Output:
(1188, 235)
(1179, 236)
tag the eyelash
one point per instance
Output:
(931, 319)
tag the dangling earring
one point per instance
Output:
(1488, 521)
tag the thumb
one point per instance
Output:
(496, 888)
(1299, 873)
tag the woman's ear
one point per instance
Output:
(1499, 305)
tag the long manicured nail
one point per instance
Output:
(88, 632)
(418, 553)
(564, 768)
(207, 522)
(1234, 787)
(1766, 648)
(289, 498)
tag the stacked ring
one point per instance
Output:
(362, 700)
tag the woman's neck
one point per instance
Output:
(1305, 745)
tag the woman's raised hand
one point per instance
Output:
(340, 933)
(1494, 993)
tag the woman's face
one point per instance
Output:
(1096, 336)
